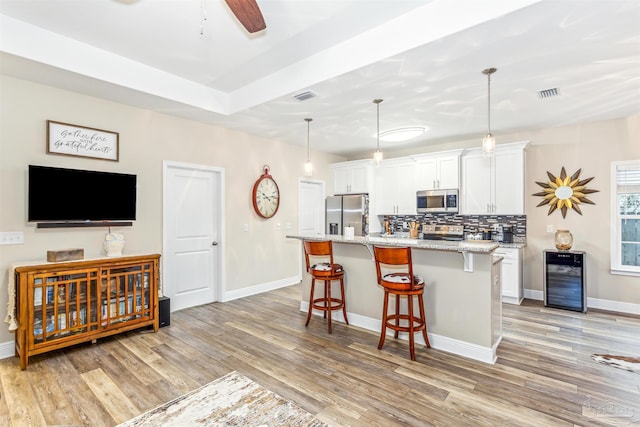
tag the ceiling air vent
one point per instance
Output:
(548, 93)
(303, 96)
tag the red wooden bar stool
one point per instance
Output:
(320, 265)
(401, 282)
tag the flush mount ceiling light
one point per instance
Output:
(402, 134)
(377, 156)
(489, 142)
(308, 167)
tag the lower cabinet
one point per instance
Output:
(67, 303)
(511, 274)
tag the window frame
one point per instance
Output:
(616, 266)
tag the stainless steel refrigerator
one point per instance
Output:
(350, 210)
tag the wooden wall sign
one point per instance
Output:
(74, 140)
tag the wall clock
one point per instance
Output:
(266, 195)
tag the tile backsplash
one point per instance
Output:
(471, 223)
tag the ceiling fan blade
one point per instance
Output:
(248, 13)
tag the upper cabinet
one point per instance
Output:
(396, 187)
(494, 185)
(438, 171)
(352, 177)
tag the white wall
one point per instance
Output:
(590, 147)
(146, 139)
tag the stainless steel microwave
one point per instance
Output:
(438, 201)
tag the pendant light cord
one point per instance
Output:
(489, 102)
(378, 126)
(377, 102)
(308, 120)
(488, 72)
(308, 126)
(203, 16)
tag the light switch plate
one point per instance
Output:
(549, 228)
(11, 238)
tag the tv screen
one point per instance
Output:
(57, 194)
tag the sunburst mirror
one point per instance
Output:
(565, 192)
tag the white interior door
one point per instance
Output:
(192, 221)
(311, 207)
(311, 211)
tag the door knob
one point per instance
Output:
(214, 243)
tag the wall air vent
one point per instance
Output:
(303, 96)
(548, 93)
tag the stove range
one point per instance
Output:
(443, 232)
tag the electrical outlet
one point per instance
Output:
(11, 238)
(549, 228)
(245, 228)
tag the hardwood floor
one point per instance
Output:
(544, 374)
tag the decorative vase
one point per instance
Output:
(113, 244)
(563, 240)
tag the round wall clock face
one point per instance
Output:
(266, 196)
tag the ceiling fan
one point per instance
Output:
(248, 13)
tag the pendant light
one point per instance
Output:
(489, 141)
(377, 156)
(308, 167)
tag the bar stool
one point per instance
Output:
(400, 283)
(319, 259)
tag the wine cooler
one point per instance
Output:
(565, 280)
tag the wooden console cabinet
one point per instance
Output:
(67, 303)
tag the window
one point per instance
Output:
(625, 215)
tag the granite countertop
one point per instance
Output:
(438, 245)
(517, 245)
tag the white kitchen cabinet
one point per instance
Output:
(396, 187)
(475, 190)
(352, 177)
(493, 185)
(511, 274)
(438, 171)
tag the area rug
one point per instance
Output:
(623, 362)
(233, 400)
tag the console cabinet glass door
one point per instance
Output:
(63, 304)
(125, 294)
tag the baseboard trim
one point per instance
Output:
(7, 349)
(620, 307)
(600, 304)
(450, 345)
(534, 295)
(258, 289)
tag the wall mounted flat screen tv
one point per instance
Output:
(74, 195)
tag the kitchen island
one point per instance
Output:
(462, 290)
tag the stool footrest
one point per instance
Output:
(324, 305)
(418, 324)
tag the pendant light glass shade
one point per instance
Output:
(489, 141)
(308, 167)
(488, 144)
(377, 156)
